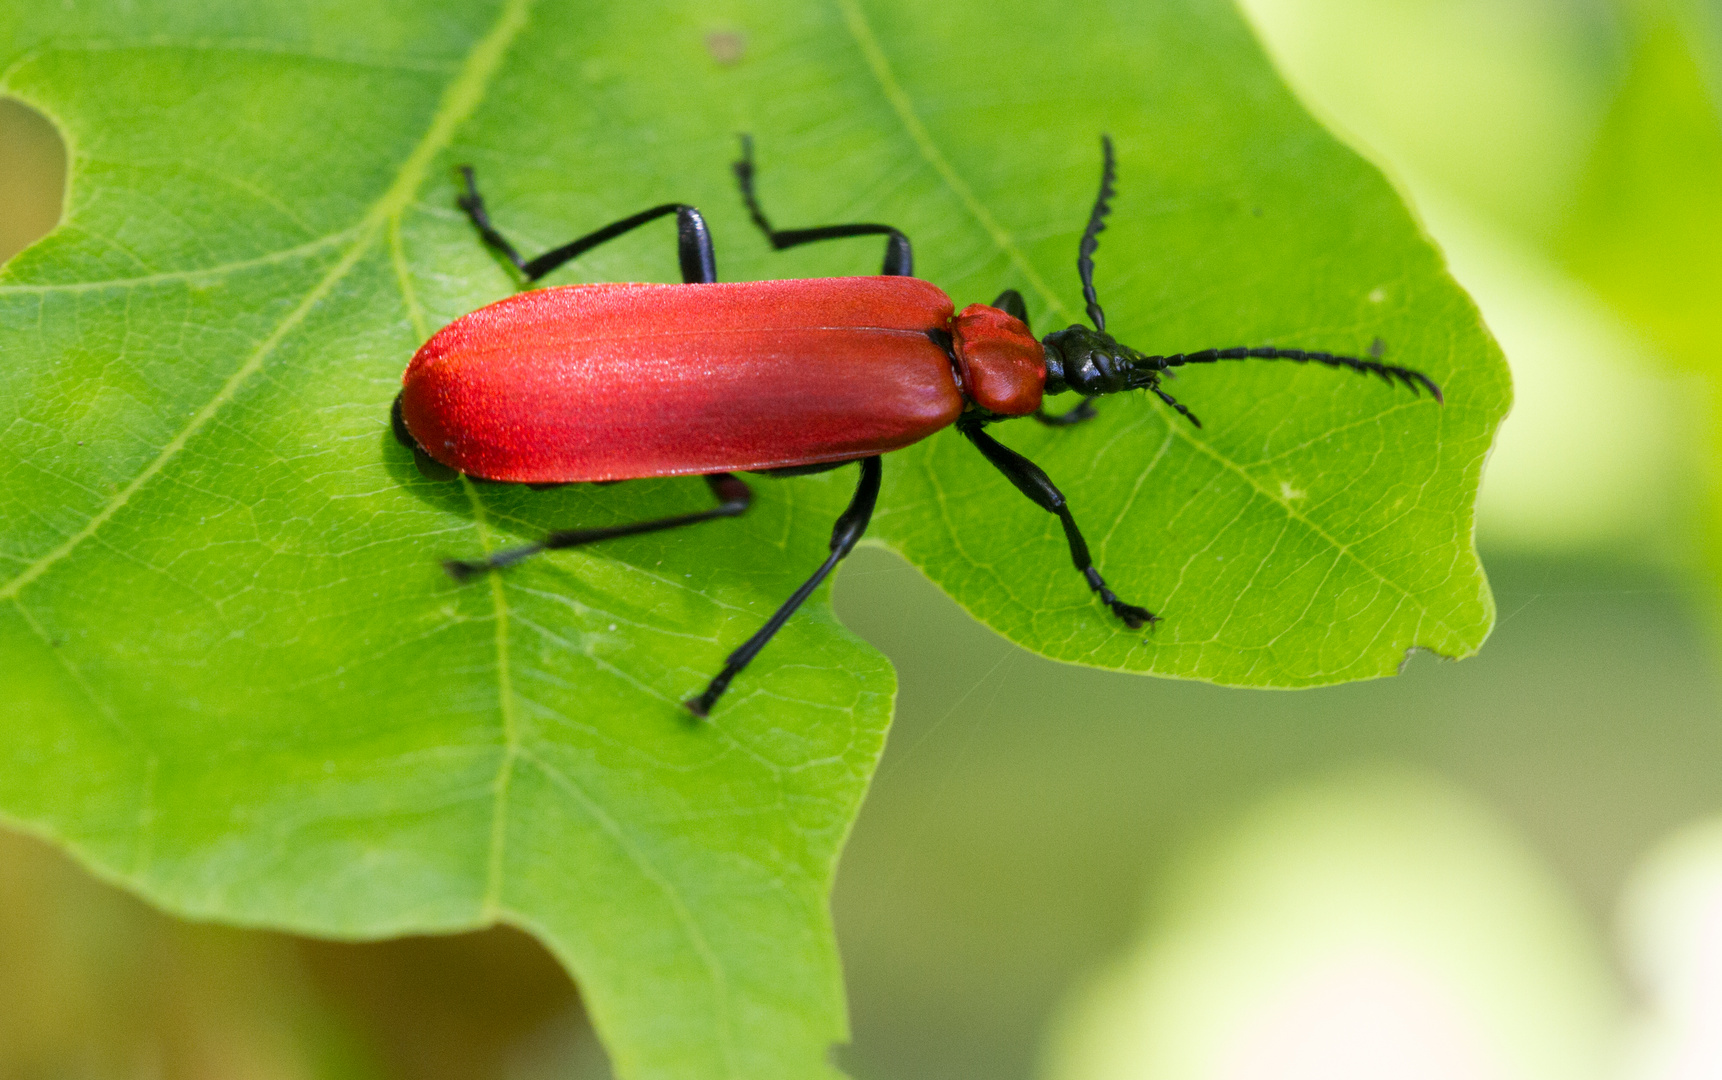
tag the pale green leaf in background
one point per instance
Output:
(1378, 925)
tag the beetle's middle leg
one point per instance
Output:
(693, 239)
(851, 524)
(899, 257)
(732, 493)
(1031, 481)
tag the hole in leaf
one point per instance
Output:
(33, 182)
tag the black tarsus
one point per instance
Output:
(693, 238)
(732, 493)
(1031, 481)
(1091, 235)
(899, 256)
(850, 527)
(1082, 413)
(1415, 381)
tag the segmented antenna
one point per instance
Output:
(1415, 381)
(1091, 235)
(1176, 404)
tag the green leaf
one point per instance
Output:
(239, 682)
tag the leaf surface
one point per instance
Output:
(239, 682)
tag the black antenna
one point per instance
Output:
(1176, 404)
(1091, 235)
(1415, 381)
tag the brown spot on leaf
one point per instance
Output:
(727, 47)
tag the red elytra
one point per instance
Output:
(623, 381)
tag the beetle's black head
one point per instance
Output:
(1092, 362)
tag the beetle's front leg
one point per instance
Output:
(1031, 481)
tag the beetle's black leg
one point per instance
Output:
(1034, 483)
(1010, 302)
(693, 239)
(733, 500)
(899, 258)
(1084, 411)
(844, 535)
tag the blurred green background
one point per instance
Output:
(1510, 867)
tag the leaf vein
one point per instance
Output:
(1322, 534)
(678, 905)
(880, 66)
(194, 274)
(461, 97)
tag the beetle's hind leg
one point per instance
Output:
(1031, 481)
(850, 527)
(693, 238)
(899, 257)
(733, 494)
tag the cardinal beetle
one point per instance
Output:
(620, 382)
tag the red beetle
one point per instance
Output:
(621, 382)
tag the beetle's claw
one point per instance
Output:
(463, 571)
(1134, 617)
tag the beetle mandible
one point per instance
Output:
(626, 381)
